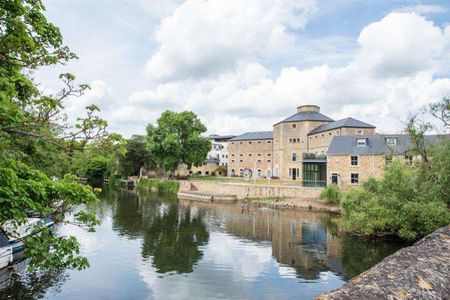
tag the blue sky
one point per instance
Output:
(244, 65)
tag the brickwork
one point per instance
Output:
(242, 190)
(367, 166)
(250, 154)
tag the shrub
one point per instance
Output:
(160, 186)
(407, 202)
(331, 194)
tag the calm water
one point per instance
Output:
(149, 248)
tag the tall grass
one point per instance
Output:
(159, 186)
(331, 194)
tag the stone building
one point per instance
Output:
(295, 149)
(216, 157)
(354, 159)
(251, 150)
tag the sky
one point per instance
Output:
(245, 65)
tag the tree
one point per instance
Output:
(176, 139)
(408, 202)
(137, 155)
(35, 139)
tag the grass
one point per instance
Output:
(160, 186)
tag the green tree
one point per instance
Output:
(177, 139)
(408, 202)
(35, 140)
(136, 156)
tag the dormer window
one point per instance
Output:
(361, 142)
(391, 141)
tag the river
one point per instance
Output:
(153, 247)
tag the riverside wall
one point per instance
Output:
(243, 190)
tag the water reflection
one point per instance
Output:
(173, 238)
(163, 248)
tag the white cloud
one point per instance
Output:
(393, 72)
(423, 9)
(202, 38)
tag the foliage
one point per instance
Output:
(331, 194)
(176, 139)
(136, 156)
(403, 203)
(35, 139)
(220, 170)
(408, 202)
(160, 186)
(173, 240)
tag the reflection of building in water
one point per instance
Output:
(299, 239)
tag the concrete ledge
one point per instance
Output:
(421, 271)
(195, 196)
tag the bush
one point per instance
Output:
(408, 202)
(331, 194)
(160, 186)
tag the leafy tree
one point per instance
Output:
(35, 139)
(136, 156)
(176, 139)
(408, 202)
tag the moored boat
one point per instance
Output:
(6, 256)
(17, 235)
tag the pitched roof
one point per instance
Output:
(260, 135)
(307, 116)
(220, 138)
(347, 122)
(375, 144)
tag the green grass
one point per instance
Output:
(159, 186)
(331, 194)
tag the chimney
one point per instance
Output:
(308, 108)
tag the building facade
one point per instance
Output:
(295, 149)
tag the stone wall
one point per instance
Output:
(243, 190)
(421, 271)
(248, 154)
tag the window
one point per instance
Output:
(241, 154)
(409, 160)
(240, 143)
(259, 154)
(268, 160)
(329, 133)
(232, 160)
(359, 131)
(268, 142)
(259, 142)
(391, 141)
(259, 160)
(354, 178)
(290, 140)
(388, 159)
(361, 142)
(294, 156)
(354, 160)
(294, 125)
(232, 154)
(240, 160)
(268, 154)
(249, 142)
(249, 154)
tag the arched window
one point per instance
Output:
(258, 173)
(241, 172)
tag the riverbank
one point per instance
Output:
(301, 204)
(421, 271)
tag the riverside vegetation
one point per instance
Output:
(409, 201)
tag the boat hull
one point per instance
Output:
(6, 256)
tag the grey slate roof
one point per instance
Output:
(260, 135)
(221, 138)
(348, 122)
(375, 144)
(307, 116)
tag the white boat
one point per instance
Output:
(6, 256)
(17, 235)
